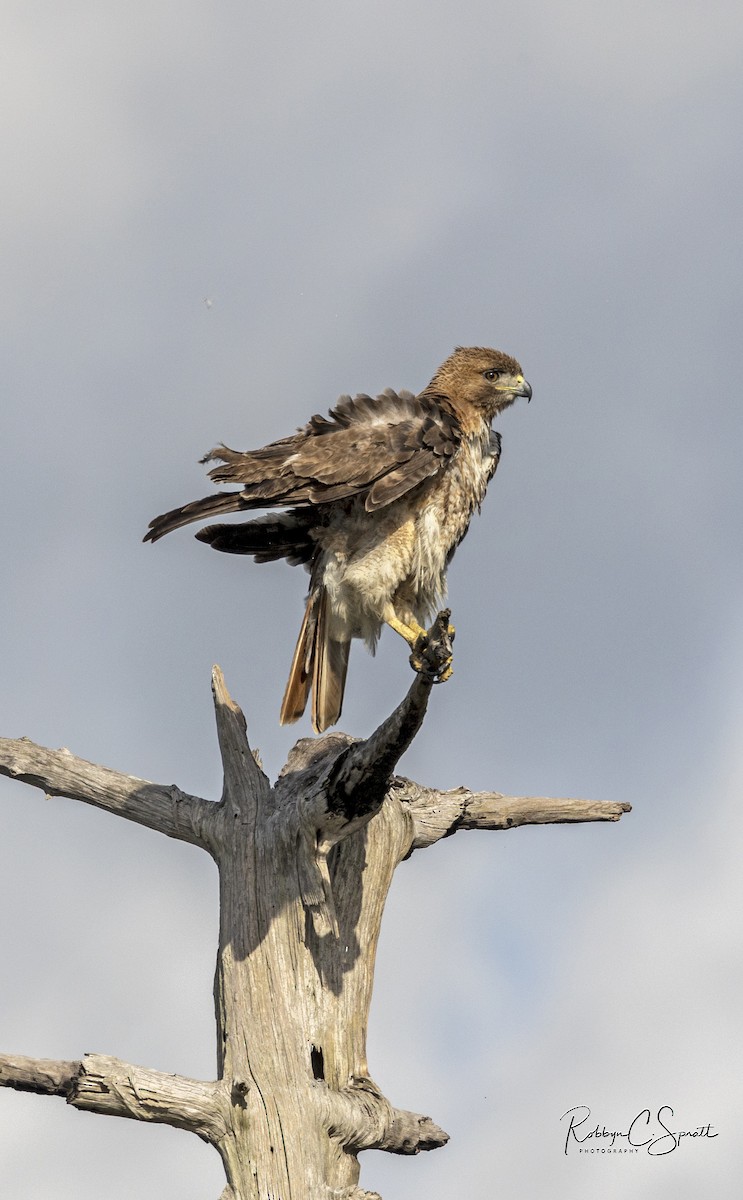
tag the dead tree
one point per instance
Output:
(304, 869)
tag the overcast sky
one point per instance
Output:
(217, 218)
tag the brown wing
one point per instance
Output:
(380, 448)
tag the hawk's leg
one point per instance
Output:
(432, 652)
(412, 632)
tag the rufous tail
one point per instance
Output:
(319, 665)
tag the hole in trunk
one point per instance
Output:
(318, 1063)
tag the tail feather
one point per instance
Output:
(329, 671)
(319, 665)
(210, 506)
(299, 682)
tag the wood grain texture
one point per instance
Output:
(305, 867)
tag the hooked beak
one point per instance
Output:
(516, 386)
(524, 388)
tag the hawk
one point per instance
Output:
(378, 495)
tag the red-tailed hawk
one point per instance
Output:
(379, 494)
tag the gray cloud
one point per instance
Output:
(356, 188)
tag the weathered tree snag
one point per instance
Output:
(103, 1084)
(305, 868)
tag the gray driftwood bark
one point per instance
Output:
(304, 867)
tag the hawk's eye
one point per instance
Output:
(491, 374)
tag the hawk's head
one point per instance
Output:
(488, 380)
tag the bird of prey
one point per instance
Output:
(378, 495)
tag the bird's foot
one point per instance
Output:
(431, 649)
(432, 653)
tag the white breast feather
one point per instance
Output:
(404, 552)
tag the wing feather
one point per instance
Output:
(396, 483)
(379, 448)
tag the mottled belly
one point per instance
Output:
(399, 555)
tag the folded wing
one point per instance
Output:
(376, 448)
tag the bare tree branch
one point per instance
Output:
(361, 776)
(46, 1076)
(119, 1089)
(238, 761)
(99, 1083)
(438, 814)
(59, 773)
(364, 1120)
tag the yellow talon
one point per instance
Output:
(418, 640)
